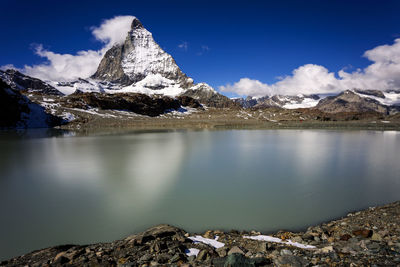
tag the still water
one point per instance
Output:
(57, 190)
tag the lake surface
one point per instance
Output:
(65, 189)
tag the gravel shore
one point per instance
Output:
(365, 238)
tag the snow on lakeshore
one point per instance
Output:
(211, 242)
(268, 238)
(182, 111)
(68, 116)
(192, 252)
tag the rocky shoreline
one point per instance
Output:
(365, 238)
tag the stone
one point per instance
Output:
(146, 257)
(203, 255)
(262, 246)
(248, 254)
(163, 258)
(61, 258)
(235, 250)
(297, 239)
(327, 249)
(376, 237)
(285, 235)
(285, 252)
(236, 260)
(191, 258)
(373, 246)
(324, 237)
(222, 251)
(177, 257)
(209, 234)
(290, 260)
(363, 232)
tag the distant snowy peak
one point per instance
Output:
(389, 97)
(350, 101)
(346, 101)
(281, 101)
(138, 57)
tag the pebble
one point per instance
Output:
(235, 249)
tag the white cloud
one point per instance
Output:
(64, 66)
(246, 86)
(114, 30)
(184, 46)
(7, 66)
(383, 73)
(84, 63)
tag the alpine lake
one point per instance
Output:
(59, 187)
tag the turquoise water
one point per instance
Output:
(57, 189)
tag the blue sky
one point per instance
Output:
(226, 40)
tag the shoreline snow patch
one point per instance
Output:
(278, 240)
(211, 242)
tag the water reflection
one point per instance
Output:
(97, 188)
(35, 133)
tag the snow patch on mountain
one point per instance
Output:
(305, 103)
(391, 97)
(204, 87)
(171, 89)
(152, 84)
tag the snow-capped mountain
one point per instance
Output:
(353, 100)
(356, 100)
(137, 58)
(139, 65)
(281, 101)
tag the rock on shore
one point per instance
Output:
(366, 238)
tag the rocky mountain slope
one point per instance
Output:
(356, 101)
(18, 81)
(133, 102)
(17, 111)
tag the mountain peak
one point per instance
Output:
(136, 24)
(138, 57)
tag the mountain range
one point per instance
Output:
(139, 76)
